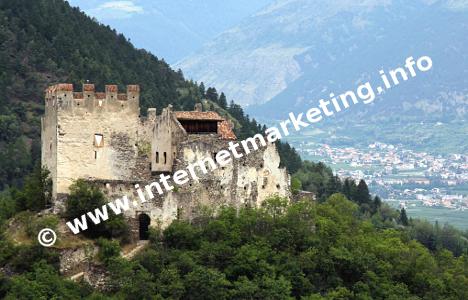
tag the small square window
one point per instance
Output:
(98, 140)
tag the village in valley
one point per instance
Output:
(399, 174)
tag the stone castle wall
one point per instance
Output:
(101, 137)
(71, 124)
(246, 181)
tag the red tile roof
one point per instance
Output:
(224, 127)
(198, 115)
(225, 131)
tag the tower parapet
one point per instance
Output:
(62, 97)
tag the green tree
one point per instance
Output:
(85, 197)
(37, 192)
(362, 195)
(296, 185)
(7, 206)
(376, 204)
(202, 90)
(44, 283)
(222, 101)
(403, 217)
(289, 157)
(205, 283)
(212, 94)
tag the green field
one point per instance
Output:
(443, 215)
(436, 138)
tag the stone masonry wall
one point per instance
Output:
(126, 156)
(245, 181)
(69, 131)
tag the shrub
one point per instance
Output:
(108, 249)
(296, 185)
(36, 224)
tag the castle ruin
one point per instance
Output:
(101, 137)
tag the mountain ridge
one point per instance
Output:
(324, 48)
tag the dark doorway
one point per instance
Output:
(144, 221)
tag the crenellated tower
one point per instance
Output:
(89, 134)
(62, 97)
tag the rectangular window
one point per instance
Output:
(157, 157)
(165, 158)
(95, 154)
(98, 140)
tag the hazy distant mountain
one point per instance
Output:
(293, 52)
(171, 29)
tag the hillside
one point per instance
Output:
(346, 245)
(290, 54)
(45, 42)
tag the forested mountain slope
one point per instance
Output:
(44, 42)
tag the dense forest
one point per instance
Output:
(346, 245)
(330, 249)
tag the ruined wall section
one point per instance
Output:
(162, 210)
(143, 164)
(245, 181)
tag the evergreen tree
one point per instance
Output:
(403, 217)
(377, 203)
(201, 89)
(362, 195)
(289, 157)
(347, 188)
(333, 186)
(222, 101)
(212, 94)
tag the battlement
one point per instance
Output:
(62, 96)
